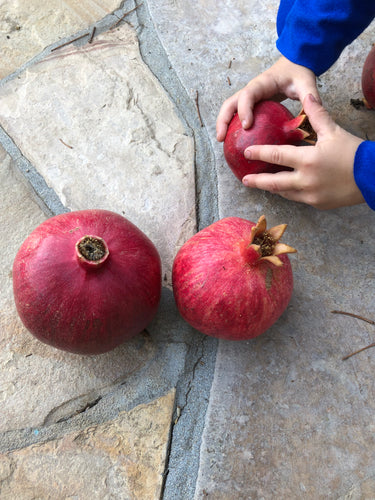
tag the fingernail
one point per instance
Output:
(247, 154)
(245, 182)
(245, 124)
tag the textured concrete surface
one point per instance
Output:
(123, 117)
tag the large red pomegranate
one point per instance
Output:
(233, 279)
(86, 281)
(368, 79)
(273, 124)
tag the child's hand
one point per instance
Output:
(323, 174)
(283, 78)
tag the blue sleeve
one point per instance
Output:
(364, 171)
(313, 34)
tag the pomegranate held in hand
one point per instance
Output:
(233, 279)
(273, 124)
(86, 281)
(368, 79)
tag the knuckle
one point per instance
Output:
(276, 156)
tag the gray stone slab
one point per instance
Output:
(287, 417)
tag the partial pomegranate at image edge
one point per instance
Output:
(368, 79)
(273, 124)
(86, 281)
(233, 279)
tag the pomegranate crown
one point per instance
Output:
(266, 241)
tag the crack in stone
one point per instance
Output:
(190, 383)
(89, 405)
(178, 412)
(80, 407)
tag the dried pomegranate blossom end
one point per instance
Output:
(266, 243)
(92, 251)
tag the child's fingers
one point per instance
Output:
(281, 182)
(285, 155)
(318, 116)
(227, 110)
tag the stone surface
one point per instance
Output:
(287, 417)
(108, 138)
(122, 459)
(28, 368)
(26, 28)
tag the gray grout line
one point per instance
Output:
(45, 196)
(193, 390)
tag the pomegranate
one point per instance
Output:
(233, 279)
(86, 281)
(273, 124)
(368, 79)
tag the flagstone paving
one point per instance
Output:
(123, 117)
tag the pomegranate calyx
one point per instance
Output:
(366, 103)
(266, 242)
(309, 134)
(297, 124)
(273, 259)
(91, 251)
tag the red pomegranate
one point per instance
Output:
(273, 124)
(368, 79)
(86, 281)
(233, 279)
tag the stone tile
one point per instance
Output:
(100, 129)
(29, 369)
(122, 459)
(27, 27)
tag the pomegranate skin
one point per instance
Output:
(273, 124)
(84, 306)
(222, 289)
(368, 79)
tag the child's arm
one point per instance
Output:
(312, 35)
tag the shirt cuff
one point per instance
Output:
(364, 171)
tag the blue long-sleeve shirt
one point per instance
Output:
(313, 34)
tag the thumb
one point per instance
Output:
(318, 116)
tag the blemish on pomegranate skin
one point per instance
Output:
(269, 276)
